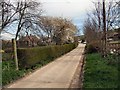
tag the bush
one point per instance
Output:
(7, 56)
(82, 41)
(29, 57)
(90, 49)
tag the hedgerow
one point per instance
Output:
(28, 57)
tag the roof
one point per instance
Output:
(29, 38)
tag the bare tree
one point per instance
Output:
(103, 18)
(21, 12)
(7, 14)
(25, 15)
(90, 31)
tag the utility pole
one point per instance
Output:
(99, 15)
(99, 27)
(104, 30)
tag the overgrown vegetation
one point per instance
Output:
(101, 72)
(90, 48)
(9, 73)
(32, 59)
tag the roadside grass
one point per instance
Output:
(10, 74)
(99, 72)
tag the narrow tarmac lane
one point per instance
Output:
(57, 74)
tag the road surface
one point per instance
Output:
(57, 74)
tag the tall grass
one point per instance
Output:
(99, 73)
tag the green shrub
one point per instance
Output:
(11, 75)
(30, 57)
(6, 56)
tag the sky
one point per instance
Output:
(74, 10)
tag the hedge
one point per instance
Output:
(28, 57)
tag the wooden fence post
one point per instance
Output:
(15, 53)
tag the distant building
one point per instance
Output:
(113, 36)
(29, 40)
(6, 44)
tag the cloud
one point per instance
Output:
(66, 8)
(7, 36)
(73, 9)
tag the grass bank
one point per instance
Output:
(100, 72)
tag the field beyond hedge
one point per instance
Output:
(31, 59)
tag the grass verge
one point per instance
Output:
(99, 72)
